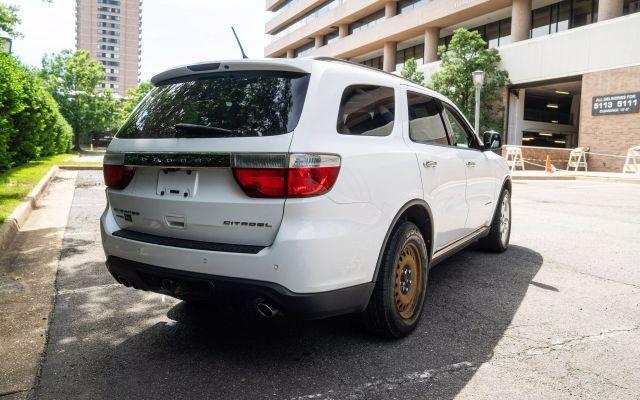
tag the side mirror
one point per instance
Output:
(492, 140)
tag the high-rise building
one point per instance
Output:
(110, 30)
(574, 65)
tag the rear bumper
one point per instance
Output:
(211, 288)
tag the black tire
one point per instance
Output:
(495, 241)
(392, 312)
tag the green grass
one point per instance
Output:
(17, 182)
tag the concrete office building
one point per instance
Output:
(565, 58)
(110, 31)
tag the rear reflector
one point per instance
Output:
(271, 176)
(116, 175)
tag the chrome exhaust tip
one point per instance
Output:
(265, 310)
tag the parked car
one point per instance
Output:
(308, 187)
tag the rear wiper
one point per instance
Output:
(189, 129)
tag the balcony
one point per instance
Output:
(438, 13)
(599, 46)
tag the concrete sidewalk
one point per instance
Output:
(27, 278)
(576, 175)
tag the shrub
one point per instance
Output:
(31, 125)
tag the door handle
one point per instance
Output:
(430, 164)
(471, 164)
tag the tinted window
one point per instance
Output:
(366, 110)
(256, 103)
(425, 122)
(459, 135)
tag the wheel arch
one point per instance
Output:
(418, 212)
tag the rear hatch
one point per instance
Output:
(174, 154)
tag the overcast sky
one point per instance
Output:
(174, 32)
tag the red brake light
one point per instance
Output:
(117, 176)
(304, 182)
(276, 176)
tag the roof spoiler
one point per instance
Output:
(302, 65)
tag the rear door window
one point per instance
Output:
(425, 120)
(223, 104)
(367, 110)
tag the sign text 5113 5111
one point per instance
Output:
(624, 103)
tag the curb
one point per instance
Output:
(80, 167)
(20, 214)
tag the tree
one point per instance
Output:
(9, 20)
(466, 53)
(31, 125)
(134, 96)
(411, 72)
(72, 79)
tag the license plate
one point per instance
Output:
(181, 183)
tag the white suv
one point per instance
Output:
(311, 187)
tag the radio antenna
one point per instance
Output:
(239, 44)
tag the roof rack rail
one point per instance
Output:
(332, 59)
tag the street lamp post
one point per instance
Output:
(478, 81)
(5, 45)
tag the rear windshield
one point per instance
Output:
(224, 104)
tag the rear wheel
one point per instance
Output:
(397, 300)
(498, 238)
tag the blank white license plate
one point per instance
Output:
(177, 183)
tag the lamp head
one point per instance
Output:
(478, 78)
(5, 45)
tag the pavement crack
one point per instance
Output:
(3, 394)
(568, 343)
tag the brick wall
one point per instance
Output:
(609, 134)
(538, 155)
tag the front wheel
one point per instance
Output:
(498, 238)
(397, 300)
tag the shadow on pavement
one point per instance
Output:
(119, 343)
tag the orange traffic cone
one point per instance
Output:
(548, 167)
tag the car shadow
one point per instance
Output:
(153, 351)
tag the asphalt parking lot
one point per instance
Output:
(556, 316)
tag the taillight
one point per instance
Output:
(116, 174)
(281, 176)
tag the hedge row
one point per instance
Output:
(31, 125)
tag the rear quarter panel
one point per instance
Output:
(378, 175)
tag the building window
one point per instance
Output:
(366, 22)
(283, 6)
(112, 2)
(106, 32)
(375, 62)
(584, 12)
(109, 9)
(304, 50)
(631, 6)
(408, 5)
(108, 55)
(110, 63)
(106, 47)
(331, 37)
(108, 40)
(110, 17)
(540, 22)
(416, 52)
(102, 24)
(317, 12)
